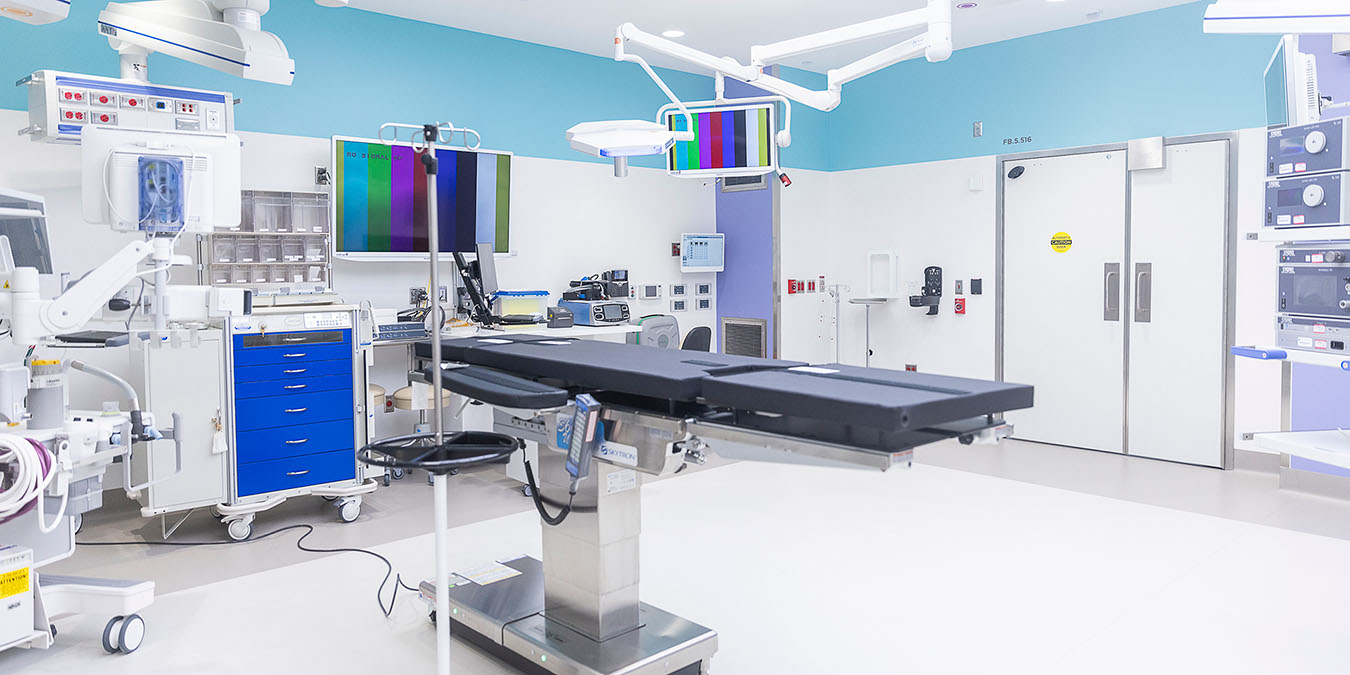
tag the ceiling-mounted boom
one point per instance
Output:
(935, 44)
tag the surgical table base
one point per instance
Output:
(506, 619)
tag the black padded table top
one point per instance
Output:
(589, 364)
(872, 397)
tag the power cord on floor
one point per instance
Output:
(300, 544)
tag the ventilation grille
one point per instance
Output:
(744, 337)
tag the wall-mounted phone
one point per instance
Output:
(932, 291)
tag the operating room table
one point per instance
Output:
(578, 610)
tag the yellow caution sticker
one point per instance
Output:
(1060, 242)
(14, 583)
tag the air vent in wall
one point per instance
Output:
(744, 183)
(744, 337)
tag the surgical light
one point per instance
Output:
(672, 34)
(36, 12)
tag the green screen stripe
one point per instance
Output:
(340, 175)
(765, 137)
(502, 242)
(378, 171)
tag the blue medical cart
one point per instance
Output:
(297, 411)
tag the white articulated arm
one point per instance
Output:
(935, 45)
(33, 318)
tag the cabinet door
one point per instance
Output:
(184, 380)
(1063, 306)
(1179, 238)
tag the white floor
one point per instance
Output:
(802, 570)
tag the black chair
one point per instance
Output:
(698, 339)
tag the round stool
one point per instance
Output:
(403, 399)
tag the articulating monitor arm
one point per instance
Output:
(935, 44)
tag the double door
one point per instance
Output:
(1114, 296)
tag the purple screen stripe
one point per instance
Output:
(705, 140)
(401, 200)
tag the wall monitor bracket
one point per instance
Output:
(932, 291)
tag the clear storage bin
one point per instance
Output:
(278, 274)
(520, 302)
(222, 250)
(246, 250)
(293, 249)
(309, 213)
(271, 213)
(259, 274)
(269, 250)
(220, 276)
(240, 275)
(246, 217)
(314, 274)
(316, 249)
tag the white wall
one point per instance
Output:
(1257, 394)
(928, 215)
(569, 219)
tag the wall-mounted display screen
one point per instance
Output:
(380, 200)
(728, 140)
(703, 252)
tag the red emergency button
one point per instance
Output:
(131, 102)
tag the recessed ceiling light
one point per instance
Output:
(672, 34)
(968, 5)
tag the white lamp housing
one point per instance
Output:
(1278, 17)
(36, 12)
(621, 139)
(225, 35)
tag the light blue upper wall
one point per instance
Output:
(1150, 74)
(356, 70)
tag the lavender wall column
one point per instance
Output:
(746, 288)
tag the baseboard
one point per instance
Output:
(1251, 460)
(1322, 485)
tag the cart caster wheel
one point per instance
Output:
(329, 498)
(349, 510)
(525, 490)
(397, 474)
(132, 634)
(386, 480)
(432, 616)
(239, 530)
(108, 635)
(52, 628)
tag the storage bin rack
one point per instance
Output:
(281, 246)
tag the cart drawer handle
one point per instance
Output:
(296, 410)
(293, 356)
(295, 386)
(297, 473)
(294, 339)
(297, 371)
(297, 442)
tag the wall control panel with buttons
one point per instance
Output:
(61, 104)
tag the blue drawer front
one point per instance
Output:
(297, 354)
(285, 411)
(289, 387)
(293, 371)
(308, 439)
(296, 472)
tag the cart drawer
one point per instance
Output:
(297, 354)
(269, 444)
(284, 411)
(293, 371)
(296, 472)
(306, 385)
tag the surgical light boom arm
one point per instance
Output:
(935, 44)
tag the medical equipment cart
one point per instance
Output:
(279, 406)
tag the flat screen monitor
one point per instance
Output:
(703, 252)
(1292, 96)
(380, 200)
(735, 140)
(23, 220)
(487, 269)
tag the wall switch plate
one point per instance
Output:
(978, 130)
(674, 249)
(960, 287)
